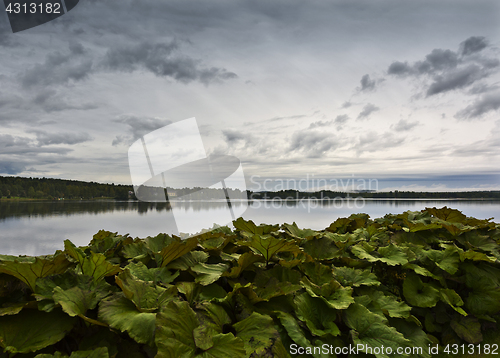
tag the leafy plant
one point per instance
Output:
(407, 280)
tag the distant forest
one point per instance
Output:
(53, 189)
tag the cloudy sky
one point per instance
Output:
(405, 92)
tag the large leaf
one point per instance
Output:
(175, 339)
(31, 330)
(467, 328)
(257, 332)
(209, 273)
(122, 314)
(29, 271)
(146, 296)
(268, 246)
(447, 214)
(244, 261)
(177, 249)
(332, 293)
(353, 277)
(323, 248)
(249, 229)
(419, 294)
(155, 275)
(448, 259)
(94, 265)
(318, 316)
(371, 330)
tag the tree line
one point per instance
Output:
(48, 188)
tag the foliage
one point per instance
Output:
(407, 280)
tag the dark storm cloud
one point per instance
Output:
(404, 125)
(457, 79)
(472, 45)
(137, 127)
(487, 103)
(450, 70)
(312, 143)
(367, 110)
(45, 138)
(162, 60)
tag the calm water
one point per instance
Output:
(38, 228)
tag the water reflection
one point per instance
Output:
(37, 228)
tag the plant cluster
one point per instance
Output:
(409, 280)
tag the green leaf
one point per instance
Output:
(174, 336)
(323, 248)
(146, 296)
(293, 329)
(268, 246)
(388, 305)
(257, 332)
(419, 294)
(122, 314)
(353, 277)
(294, 231)
(448, 259)
(415, 335)
(30, 270)
(331, 293)
(318, 316)
(447, 214)
(155, 275)
(95, 266)
(177, 249)
(31, 330)
(452, 298)
(392, 255)
(209, 273)
(467, 328)
(370, 329)
(248, 228)
(244, 261)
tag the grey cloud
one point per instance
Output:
(472, 45)
(339, 121)
(138, 127)
(57, 69)
(161, 60)
(346, 104)
(440, 59)
(448, 69)
(233, 136)
(367, 84)
(487, 103)
(372, 141)
(14, 145)
(367, 110)
(404, 125)
(313, 143)
(45, 138)
(51, 100)
(399, 69)
(11, 167)
(456, 79)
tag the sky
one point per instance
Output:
(403, 94)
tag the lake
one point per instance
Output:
(39, 228)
